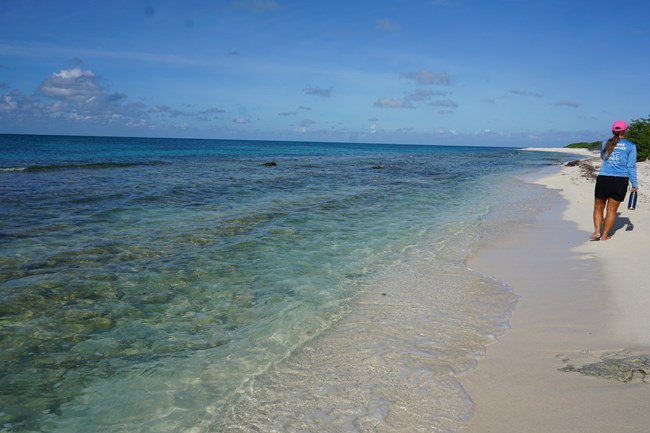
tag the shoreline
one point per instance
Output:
(579, 302)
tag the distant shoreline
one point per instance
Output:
(578, 151)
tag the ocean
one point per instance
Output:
(176, 285)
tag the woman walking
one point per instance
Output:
(618, 169)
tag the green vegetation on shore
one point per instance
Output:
(589, 146)
(638, 131)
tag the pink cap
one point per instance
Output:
(619, 125)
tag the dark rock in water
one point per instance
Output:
(622, 369)
(377, 167)
(270, 164)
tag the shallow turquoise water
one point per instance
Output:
(168, 285)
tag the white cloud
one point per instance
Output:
(213, 111)
(174, 113)
(426, 77)
(423, 94)
(76, 95)
(393, 103)
(72, 83)
(568, 103)
(444, 103)
(314, 91)
(525, 93)
(9, 102)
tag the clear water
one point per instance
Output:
(165, 285)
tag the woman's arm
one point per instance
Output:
(631, 167)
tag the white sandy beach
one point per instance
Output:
(580, 302)
(577, 151)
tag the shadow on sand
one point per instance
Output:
(622, 222)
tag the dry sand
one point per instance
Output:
(580, 302)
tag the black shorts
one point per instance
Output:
(613, 187)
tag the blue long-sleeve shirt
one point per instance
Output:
(621, 162)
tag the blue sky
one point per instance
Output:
(490, 72)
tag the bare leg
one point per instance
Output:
(599, 209)
(610, 217)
